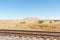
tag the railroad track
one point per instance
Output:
(41, 35)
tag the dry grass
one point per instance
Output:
(45, 25)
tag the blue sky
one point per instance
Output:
(18, 9)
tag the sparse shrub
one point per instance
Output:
(41, 21)
(50, 22)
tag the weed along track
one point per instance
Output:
(28, 35)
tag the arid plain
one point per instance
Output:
(33, 24)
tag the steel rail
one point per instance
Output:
(27, 32)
